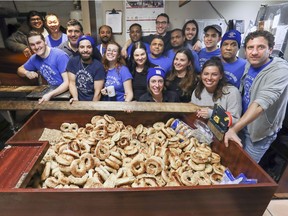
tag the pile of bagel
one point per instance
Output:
(105, 153)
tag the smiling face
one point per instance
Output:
(257, 51)
(37, 45)
(105, 34)
(135, 33)
(211, 39)
(112, 52)
(73, 33)
(190, 31)
(36, 22)
(162, 25)
(156, 85)
(85, 49)
(53, 24)
(140, 57)
(210, 77)
(181, 62)
(156, 47)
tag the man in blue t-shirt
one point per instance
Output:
(156, 55)
(106, 35)
(212, 36)
(265, 89)
(50, 62)
(233, 65)
(86, 74)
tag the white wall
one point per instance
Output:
(242, 10)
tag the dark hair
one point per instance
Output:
(120, 60)
(105, 26)
(132, 64)
(157, 37)
(188, 83)
(34, 13)
(35, 33)
(194, 40)
(74, 22)
(135, 24)
(261, 33)
(214, 61)
(177, 29)
(164, 15)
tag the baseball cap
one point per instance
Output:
(86, 37)
(216, 27)
(232, 35)
(155, 72)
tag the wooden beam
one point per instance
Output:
(100, 105)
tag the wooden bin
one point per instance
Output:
(198, 200)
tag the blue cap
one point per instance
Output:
(155, 72)
(86, 37)
(232, 35)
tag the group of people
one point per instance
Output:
(169, 66)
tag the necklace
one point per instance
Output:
(84, 68)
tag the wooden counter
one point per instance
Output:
(198, 200)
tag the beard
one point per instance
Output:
(86, 58)
(105, 40)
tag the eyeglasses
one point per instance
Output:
(35, 19)
(161, 23)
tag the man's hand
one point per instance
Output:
(231, 135)
(27, 52)
(46, 97)
(72, 100)
(31, 75)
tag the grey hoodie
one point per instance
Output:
(270, 91)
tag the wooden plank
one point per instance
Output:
(100, 105)
(18, 162)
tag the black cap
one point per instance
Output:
(216, 27)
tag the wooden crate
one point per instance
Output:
(197, 200)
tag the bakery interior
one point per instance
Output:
(23, 121)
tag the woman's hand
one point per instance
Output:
(104, 91)
(203, 113)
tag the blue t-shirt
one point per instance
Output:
(55, 43)
(51, 67)
(101, 49)
(204, 55)
(234, 71)
(248, 81)
(85, 76)
(171, 54)
(116, 78)
(164, 62)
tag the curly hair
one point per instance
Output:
(260, 33)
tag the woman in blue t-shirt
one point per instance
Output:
(117, 75)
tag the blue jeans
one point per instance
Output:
(256, 150)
